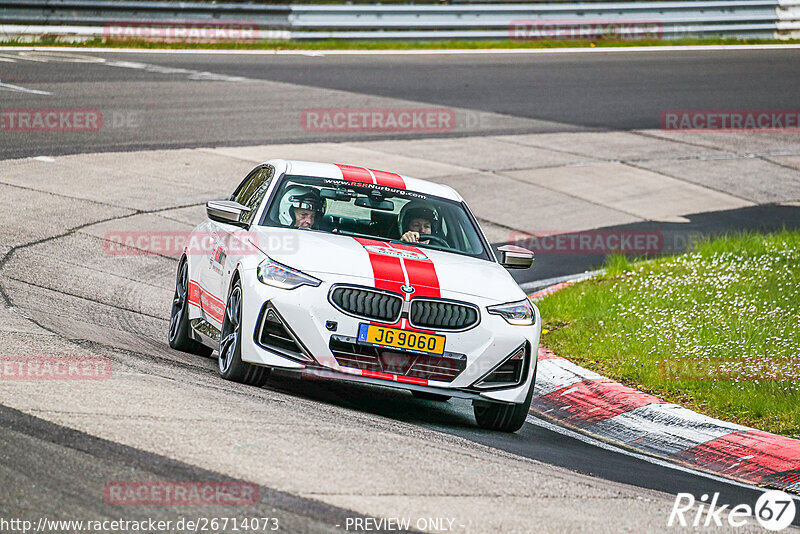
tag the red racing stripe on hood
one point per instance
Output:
(390, 273)
(386, 270)
(421, 273)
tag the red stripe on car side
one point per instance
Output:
(389, 179)
(355, 174)
(203, 299)
(194, 293)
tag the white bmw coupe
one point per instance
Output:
(350, 273)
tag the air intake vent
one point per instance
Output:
(275, 336)
(367, 303)
(442, 315)
(512, 372)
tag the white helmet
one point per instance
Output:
(301, 197)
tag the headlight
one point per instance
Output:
(278, 275)
(516, 313)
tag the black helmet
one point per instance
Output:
(419, 209)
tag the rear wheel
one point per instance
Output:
(504, 417)
(231, 366)
(179, 338)
(431, 396)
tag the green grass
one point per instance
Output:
(338, 44)
(716, 330)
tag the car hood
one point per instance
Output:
(326, 255)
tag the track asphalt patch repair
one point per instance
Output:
(585, 401)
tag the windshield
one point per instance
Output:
(374, 211)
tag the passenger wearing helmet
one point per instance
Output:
(418, 219)
(301, 207)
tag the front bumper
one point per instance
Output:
(309, 316)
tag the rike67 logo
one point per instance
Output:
(774, 510)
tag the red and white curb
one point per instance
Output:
(594, 405)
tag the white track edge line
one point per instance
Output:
(649, 459)
(454, 51)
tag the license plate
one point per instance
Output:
(401, 339)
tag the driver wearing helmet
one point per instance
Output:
(418, 219)
(302, 207)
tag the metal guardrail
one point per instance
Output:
(81, 19)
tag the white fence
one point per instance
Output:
(81, 19)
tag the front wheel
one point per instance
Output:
(504, 417)
(231, 366)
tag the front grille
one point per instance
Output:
(442, 315)
(368, 304)
(427, 366)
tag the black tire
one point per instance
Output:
(178, 334)
(431, 396)
(231, 366)
(503, 417)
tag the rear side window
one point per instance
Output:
(251, 191)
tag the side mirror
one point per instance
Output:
(514, 257)
(226, 211)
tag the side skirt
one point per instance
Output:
(204, 332)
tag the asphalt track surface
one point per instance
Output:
(152, 101)
(559, 92)
(567, 92)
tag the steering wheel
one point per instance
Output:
(435, 238)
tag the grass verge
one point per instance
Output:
(716, 330)
(339, 44)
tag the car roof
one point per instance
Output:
(363, 174)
